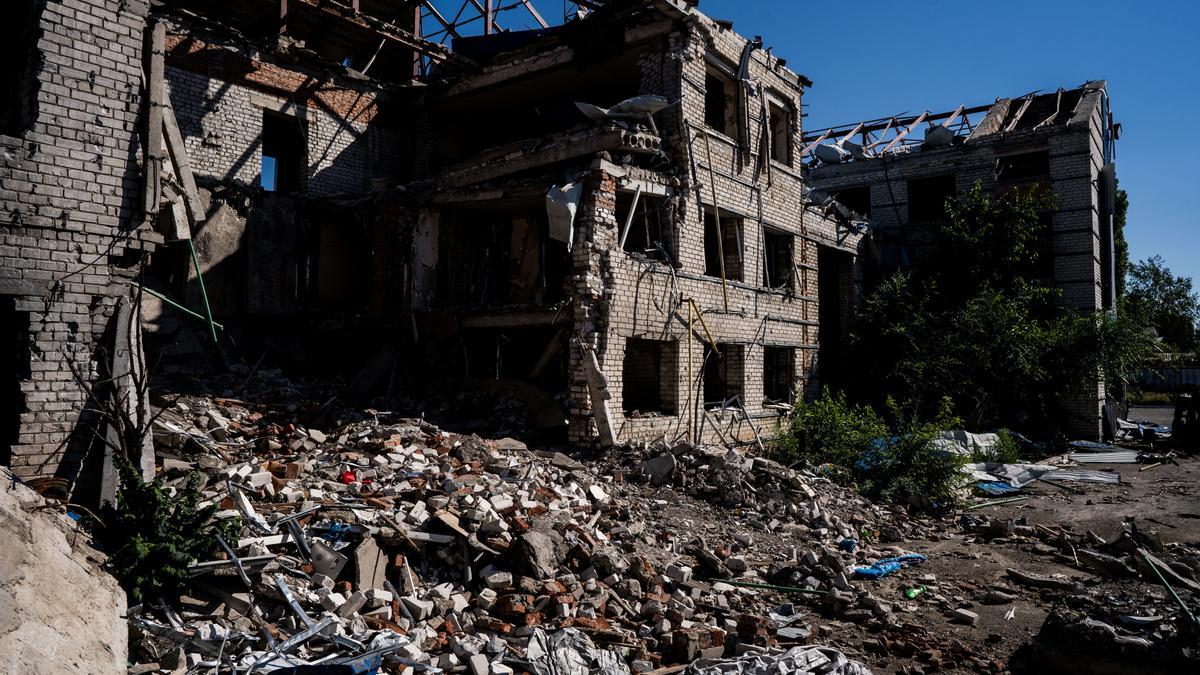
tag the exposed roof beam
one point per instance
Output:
(900, 136)
(813, 146)
(533, 10)
(1020, 112)
(954, 115)
(345, 14)
(882, 123)
(1054, 115)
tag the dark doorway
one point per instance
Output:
(723, 373)
(835, 278)
(14, 368)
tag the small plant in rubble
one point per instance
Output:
(154, 533)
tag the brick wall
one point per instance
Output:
(221, 92)
(69, 187)
(621, 296)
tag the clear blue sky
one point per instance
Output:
(869, 59)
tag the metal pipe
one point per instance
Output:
(172, 303)
(203, 292)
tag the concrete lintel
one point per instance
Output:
(549, 316)
(24, 287)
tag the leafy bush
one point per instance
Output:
(153, 536)
(977, 323)
(828, 430)
(853, 445)
(1006, 451)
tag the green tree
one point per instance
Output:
(1120, 245)
(977, 324)
(1157, 297)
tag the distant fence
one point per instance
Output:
(1169, 380)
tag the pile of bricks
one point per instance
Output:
(418, 549)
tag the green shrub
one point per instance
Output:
(853, 445)
(828, 430)
(152, 536)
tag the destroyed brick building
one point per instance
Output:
(494, 212)
(896, 174)
(608, 218)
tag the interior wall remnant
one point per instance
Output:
(724, 373)
(343, 263)
(494, 258)
(426, 240)
(14, 369)
(927, 198)
(726, 239)
(20, 55)
(284, 152)
(778, 374)
(778, 259)
(648, 377)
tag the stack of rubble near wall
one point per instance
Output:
(390, 538)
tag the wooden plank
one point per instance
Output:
(154, 101)
(183, 168)
(537, 17)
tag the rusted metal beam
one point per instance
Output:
(489, 17)
(283, 17)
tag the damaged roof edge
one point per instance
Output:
(549, 50)
(1030, 112)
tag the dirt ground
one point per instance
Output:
(1164, 498)
(918, 635)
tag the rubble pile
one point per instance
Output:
(390, 541)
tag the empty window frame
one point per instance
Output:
(727, 239)
(650, 231)
(778, 259)
(724, 373)
(927, 198)
(284, 152)
(1023, 166)
(857, 199)
(719, 102)
(648, 377)
(18, 79)
(778, 374)
(780, 120)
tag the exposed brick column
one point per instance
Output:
(595, 238)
